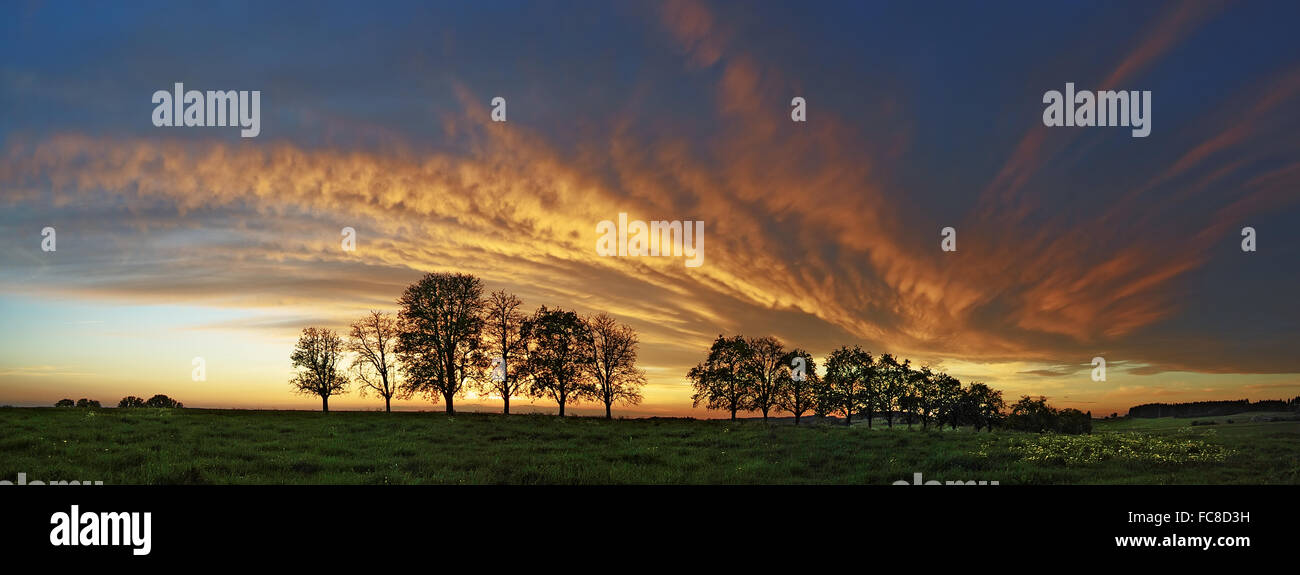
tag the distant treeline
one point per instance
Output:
(159, 400)
(1212, 408)
(760, 374)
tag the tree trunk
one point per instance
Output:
(733, 413)
(451, 408)
(765, 414)
(609, 413)
(325, 403)
(796, 419)
(388, 404)
(506, 409)
(561, 408)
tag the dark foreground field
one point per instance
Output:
(207, 446)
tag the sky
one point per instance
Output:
(1072, 242)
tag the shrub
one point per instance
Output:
(131, 401)
(161, 400)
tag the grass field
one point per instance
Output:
(152, 446)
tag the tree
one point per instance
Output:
(926, 395)
(849, 372)
(767, 368)
(723, 381)
(440, 335)
(65, 403)
(558, 362)
(88, 403)
(947, 400)
(892, 378)
(825, 394)
(1034, 415)
(374, 341)
(800, 388)
(983, 405)
(130, 401)
(1073, 421)
(163, 401)
(503, 337)
(317, 356)
(612, 364)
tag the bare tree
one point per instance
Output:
(317, 356)
(613, 363)
(374, 341)
(441, 326)
(503, 339)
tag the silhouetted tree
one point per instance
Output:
(163, 401)
(983, 404)
(1032, 414)
(1073, 421)
(612, 364)
(373, 339)
(130, 401)
(825, 398)
(892, 377)
(849, 372)
(767, 369)
(724, 381)
(317, 356)
(924, 393)
(505, 341)
(948, 396)
(88, 403)
(558, 361)
(799, 390)
(441, 325)
(65, 403)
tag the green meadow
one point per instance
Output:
(199, 446)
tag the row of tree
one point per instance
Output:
(1212, 408)
(760, 374)
(448, 338)
(159, 400)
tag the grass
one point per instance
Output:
(163, 446)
